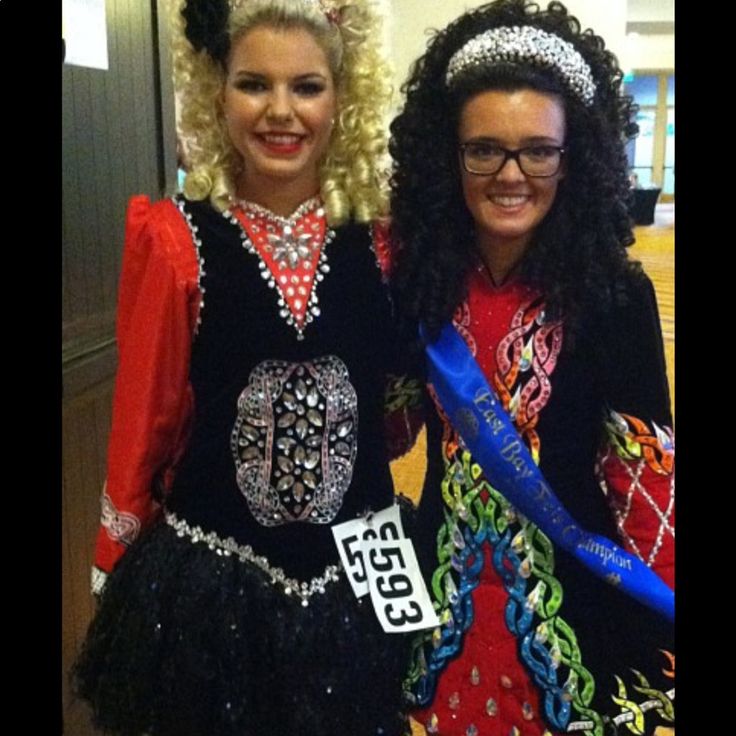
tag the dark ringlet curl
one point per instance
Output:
(578, 257)
(206, 27)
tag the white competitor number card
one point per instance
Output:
(379, 560)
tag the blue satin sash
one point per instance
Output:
(495, 444)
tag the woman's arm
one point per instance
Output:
(637, 461)
(157, 311)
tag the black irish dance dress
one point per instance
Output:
(248, 418)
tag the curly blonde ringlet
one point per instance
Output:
(353, 174)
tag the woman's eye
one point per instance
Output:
(250, 85)
(541, 152)
(309, 89)
(484, 150)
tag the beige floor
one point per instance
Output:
(655, 248)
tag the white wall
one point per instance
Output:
(651, 52)
(407, 22)
(651, 10)
(606, 17)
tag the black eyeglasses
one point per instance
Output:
(486, 159)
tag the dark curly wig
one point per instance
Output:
(577, 258)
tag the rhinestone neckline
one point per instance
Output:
(291, 253)
(305, 207)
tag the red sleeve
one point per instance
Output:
(158, 303)
(638, 467)
(638, 458)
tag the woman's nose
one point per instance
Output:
(279, 106)
(510, 171)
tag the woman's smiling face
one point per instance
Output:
(509, 206)
(279, 105)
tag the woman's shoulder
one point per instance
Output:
(160, 230)
(143, 210)
(630, 293)
(634, 286)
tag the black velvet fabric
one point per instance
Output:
(241, 327)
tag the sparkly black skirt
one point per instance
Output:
(187, 642)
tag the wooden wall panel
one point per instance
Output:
(85, 426)
(111, 142)
(117, 136)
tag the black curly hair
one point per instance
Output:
(578, 257)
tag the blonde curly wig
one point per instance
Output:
(353, 173)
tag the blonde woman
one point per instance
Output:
(255, 339)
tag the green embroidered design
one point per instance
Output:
(475, 513)
(402, 393)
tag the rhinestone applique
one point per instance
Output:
(194, 230)
(99, 579)
(295, 440)
(120, 526)
(291, 253)
(302, 590)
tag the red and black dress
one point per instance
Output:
(530, 641)
(248, 418)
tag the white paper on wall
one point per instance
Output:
(84, 30)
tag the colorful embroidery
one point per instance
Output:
(633, 439)
(403, 393)
(461, 320)
(522, 556)
(295, 440)
(636, 471)
(120, 526)
(526, 358)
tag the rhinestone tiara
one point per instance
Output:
(526, 45)
(328, 7)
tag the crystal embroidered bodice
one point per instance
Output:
(295, 440)
(291, 252)
(283, 425)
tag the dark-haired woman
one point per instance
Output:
(254, 333)
(509, 210)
